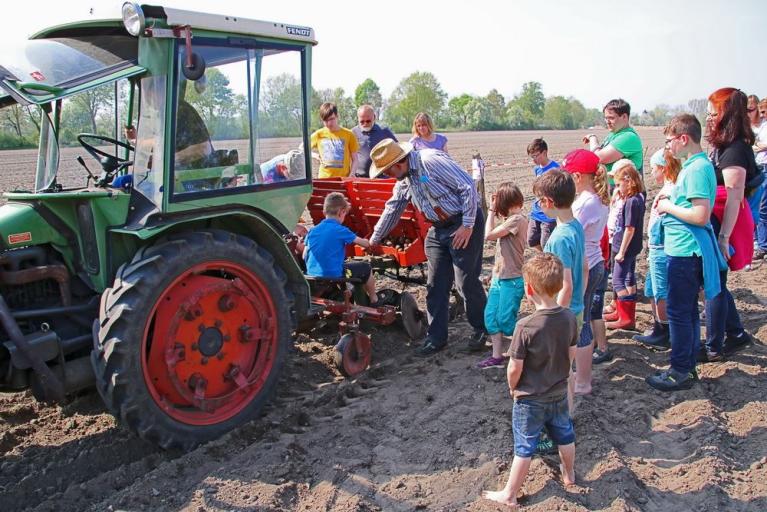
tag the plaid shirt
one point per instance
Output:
(449, 186)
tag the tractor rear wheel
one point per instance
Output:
(192, 337)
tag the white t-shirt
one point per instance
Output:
(616, 207)
(477, 169)
(592, 215)
(761, 139)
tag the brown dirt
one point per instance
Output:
(412, 434)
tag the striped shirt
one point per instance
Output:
(449, 186)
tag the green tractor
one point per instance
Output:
(156, 268)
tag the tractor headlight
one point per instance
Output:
(133, 18)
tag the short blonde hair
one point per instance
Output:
(620, 164)
(422, 117)
(334, 203)
(545, 273)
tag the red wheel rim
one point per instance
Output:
(210, 343)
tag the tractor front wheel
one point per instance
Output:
(192, 337)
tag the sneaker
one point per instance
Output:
(759, 254)
(545, 445)
(733, 344)
(672, 380)
(492, 362)
(598, 356)
(704, 356)
(476, 342)
(429, 348)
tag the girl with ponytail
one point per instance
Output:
(664, 171)
(590, 208)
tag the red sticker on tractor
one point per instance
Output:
(37, 76)
(18, 238)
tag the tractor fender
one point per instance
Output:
(251, 222)
(22, 225)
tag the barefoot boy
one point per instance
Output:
(326, 247)
(556, 191)
(542, 351)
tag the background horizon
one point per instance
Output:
(593, 52)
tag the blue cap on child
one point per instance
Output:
(658, 159)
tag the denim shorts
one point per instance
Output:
(598, 304)
(538, 232)
(502, 306)
(596, 278)
(530, 416)
(656, 282)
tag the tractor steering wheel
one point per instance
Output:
(109, 163)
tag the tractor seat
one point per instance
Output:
(331, 287)
(332, 280)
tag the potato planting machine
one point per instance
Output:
(401, 257)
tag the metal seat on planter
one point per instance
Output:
(331, 287)
(332, 280)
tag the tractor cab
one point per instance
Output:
(143, 251)
(169, 107)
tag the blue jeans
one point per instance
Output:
(446, 263)
(502, 306)
(761, 225)
(721, 317)
(685, 277)
(596, 281)
(530, 416)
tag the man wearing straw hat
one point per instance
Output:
(445, 193)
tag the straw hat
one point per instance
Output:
(387, 153)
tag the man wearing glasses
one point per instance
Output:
(368, 134)
(623, 141)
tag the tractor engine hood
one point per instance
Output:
(21, 225)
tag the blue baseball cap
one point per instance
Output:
(658, 159)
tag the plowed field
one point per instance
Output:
(415, 434)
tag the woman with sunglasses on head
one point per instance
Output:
(760, 151)
(729, 134)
